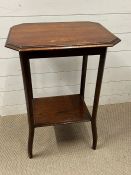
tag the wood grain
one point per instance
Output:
(116, 23)
(59, 110)
(62, 35)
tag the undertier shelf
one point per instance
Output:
(59, 110)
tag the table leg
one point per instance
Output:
(83, 75)
(25, 66)
(96, 96)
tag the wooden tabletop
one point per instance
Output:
(59, 35)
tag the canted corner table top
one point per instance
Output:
(59, 35)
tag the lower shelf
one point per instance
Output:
(59, 110)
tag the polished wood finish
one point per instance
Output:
(96, 96)
(46, 40)
(25, 66)
(60, 35)
(83, 75)
(59, 110)
(61, 53)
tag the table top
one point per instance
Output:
(59, 35)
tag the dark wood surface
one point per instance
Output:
(59, 110)
(60, 35)
(26, 72)
(40, 40)
(97, 95)
(83, 75)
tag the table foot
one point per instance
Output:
(30, 142)
(94, 134)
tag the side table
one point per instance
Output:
(60, 39)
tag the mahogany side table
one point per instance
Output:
(61, 39)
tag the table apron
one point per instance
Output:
(62, 52)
